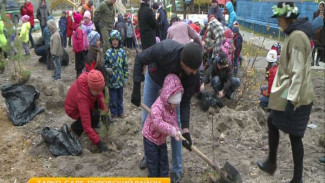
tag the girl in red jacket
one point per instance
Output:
(80, 104)
(69, 27)
(78, 43)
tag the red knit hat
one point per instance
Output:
(95, 80)
(77, 17)
(211, 17)
(228, 33)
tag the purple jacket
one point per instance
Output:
(182, 33)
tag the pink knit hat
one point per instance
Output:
(87, 15)
(25, 18)
(228, 33)
(77, 17)
(96, 80)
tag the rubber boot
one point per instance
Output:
(267, 166)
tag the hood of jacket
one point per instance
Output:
(300, 24)
(40, 4)
(27, 4)
(120, 18)
(52, 26)
(230, 7)
(75, 25)
(27, 24)
(172, 84)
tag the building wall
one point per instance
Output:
(256, 15)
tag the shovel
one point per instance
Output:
(228, 174)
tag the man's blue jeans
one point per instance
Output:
(150, 94)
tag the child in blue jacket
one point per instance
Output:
(63, 28)
(116, 63)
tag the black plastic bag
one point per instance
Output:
(65, 58)
(61, 143)
(210, 100)
(20, 100)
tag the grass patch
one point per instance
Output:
(317, 73)
(274, 37)
(250, 50)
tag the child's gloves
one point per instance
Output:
(174, 133)
(102, 147)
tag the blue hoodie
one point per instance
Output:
(232, 14)
(47, 33)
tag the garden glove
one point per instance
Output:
(136, 94)
(188, 142)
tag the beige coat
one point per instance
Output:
(293, 79)
(55, 44)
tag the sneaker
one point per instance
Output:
(57, 79)
(143, 164)
(176, 177)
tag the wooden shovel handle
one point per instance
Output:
(194, 149)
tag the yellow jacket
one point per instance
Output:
(24, 32)
(3, 40)
(293, 79)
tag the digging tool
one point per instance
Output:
(228, 174)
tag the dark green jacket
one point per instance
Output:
(106, 13)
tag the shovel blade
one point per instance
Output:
(230, 174)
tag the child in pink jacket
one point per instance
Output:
(161, 123)
(78, 43)
(227, 47)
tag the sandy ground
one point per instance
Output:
(23, 154)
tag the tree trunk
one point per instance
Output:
(184, 12)
(199, 9)
(174, 6)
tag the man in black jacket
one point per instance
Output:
(148, 25)
(162, 59)
(222, 82)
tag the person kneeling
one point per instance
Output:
(80, 104)
(222, 81)
(159, 124)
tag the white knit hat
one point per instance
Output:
(176, 98)
(272, 56)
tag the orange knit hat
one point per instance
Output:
(95, 80)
